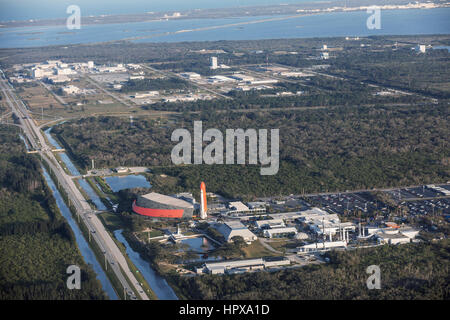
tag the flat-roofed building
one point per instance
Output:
(240, 266)
(280, 232)
(321, 246)
(191, 75)
(238, 208)
(272, 223)
(71, 89)
(392, 238)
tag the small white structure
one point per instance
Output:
(421, 48)
(191, 75)
(325, 55)
(70, 89)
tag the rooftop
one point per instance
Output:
(157, 197)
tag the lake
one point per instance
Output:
(336, 24)
(118, 183)
(199, 244)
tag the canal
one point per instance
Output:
(86, 252)
(158, 284)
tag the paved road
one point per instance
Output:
(268, 246)
(58, 98)
(99, 234)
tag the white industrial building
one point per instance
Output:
(39, 73)
(421, 48)
(220, 79)
(232, 229)
(396, 235)
(389, 238)
(321, 246)
(242, 77)
(191, 75)
(238, 208)
(213, 63)
(408, 232)
(239, 266)
(64, 71)
(280, 232)
(265, 81)
(272, 223)
(322, 222)
(71, 89)
(142, 95)
(256, 204)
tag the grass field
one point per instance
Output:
(257, 250)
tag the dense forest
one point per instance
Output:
(36, 243)
(320, 149)
(410, 271)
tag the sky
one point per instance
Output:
(47, 9)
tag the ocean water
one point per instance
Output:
(393, 22)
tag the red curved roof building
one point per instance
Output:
(161, 206)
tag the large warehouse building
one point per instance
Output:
(161, 206)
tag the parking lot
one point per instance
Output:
(433, 206)
(341, 202)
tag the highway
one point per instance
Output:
(113, 255)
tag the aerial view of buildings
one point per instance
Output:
(355, 119)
